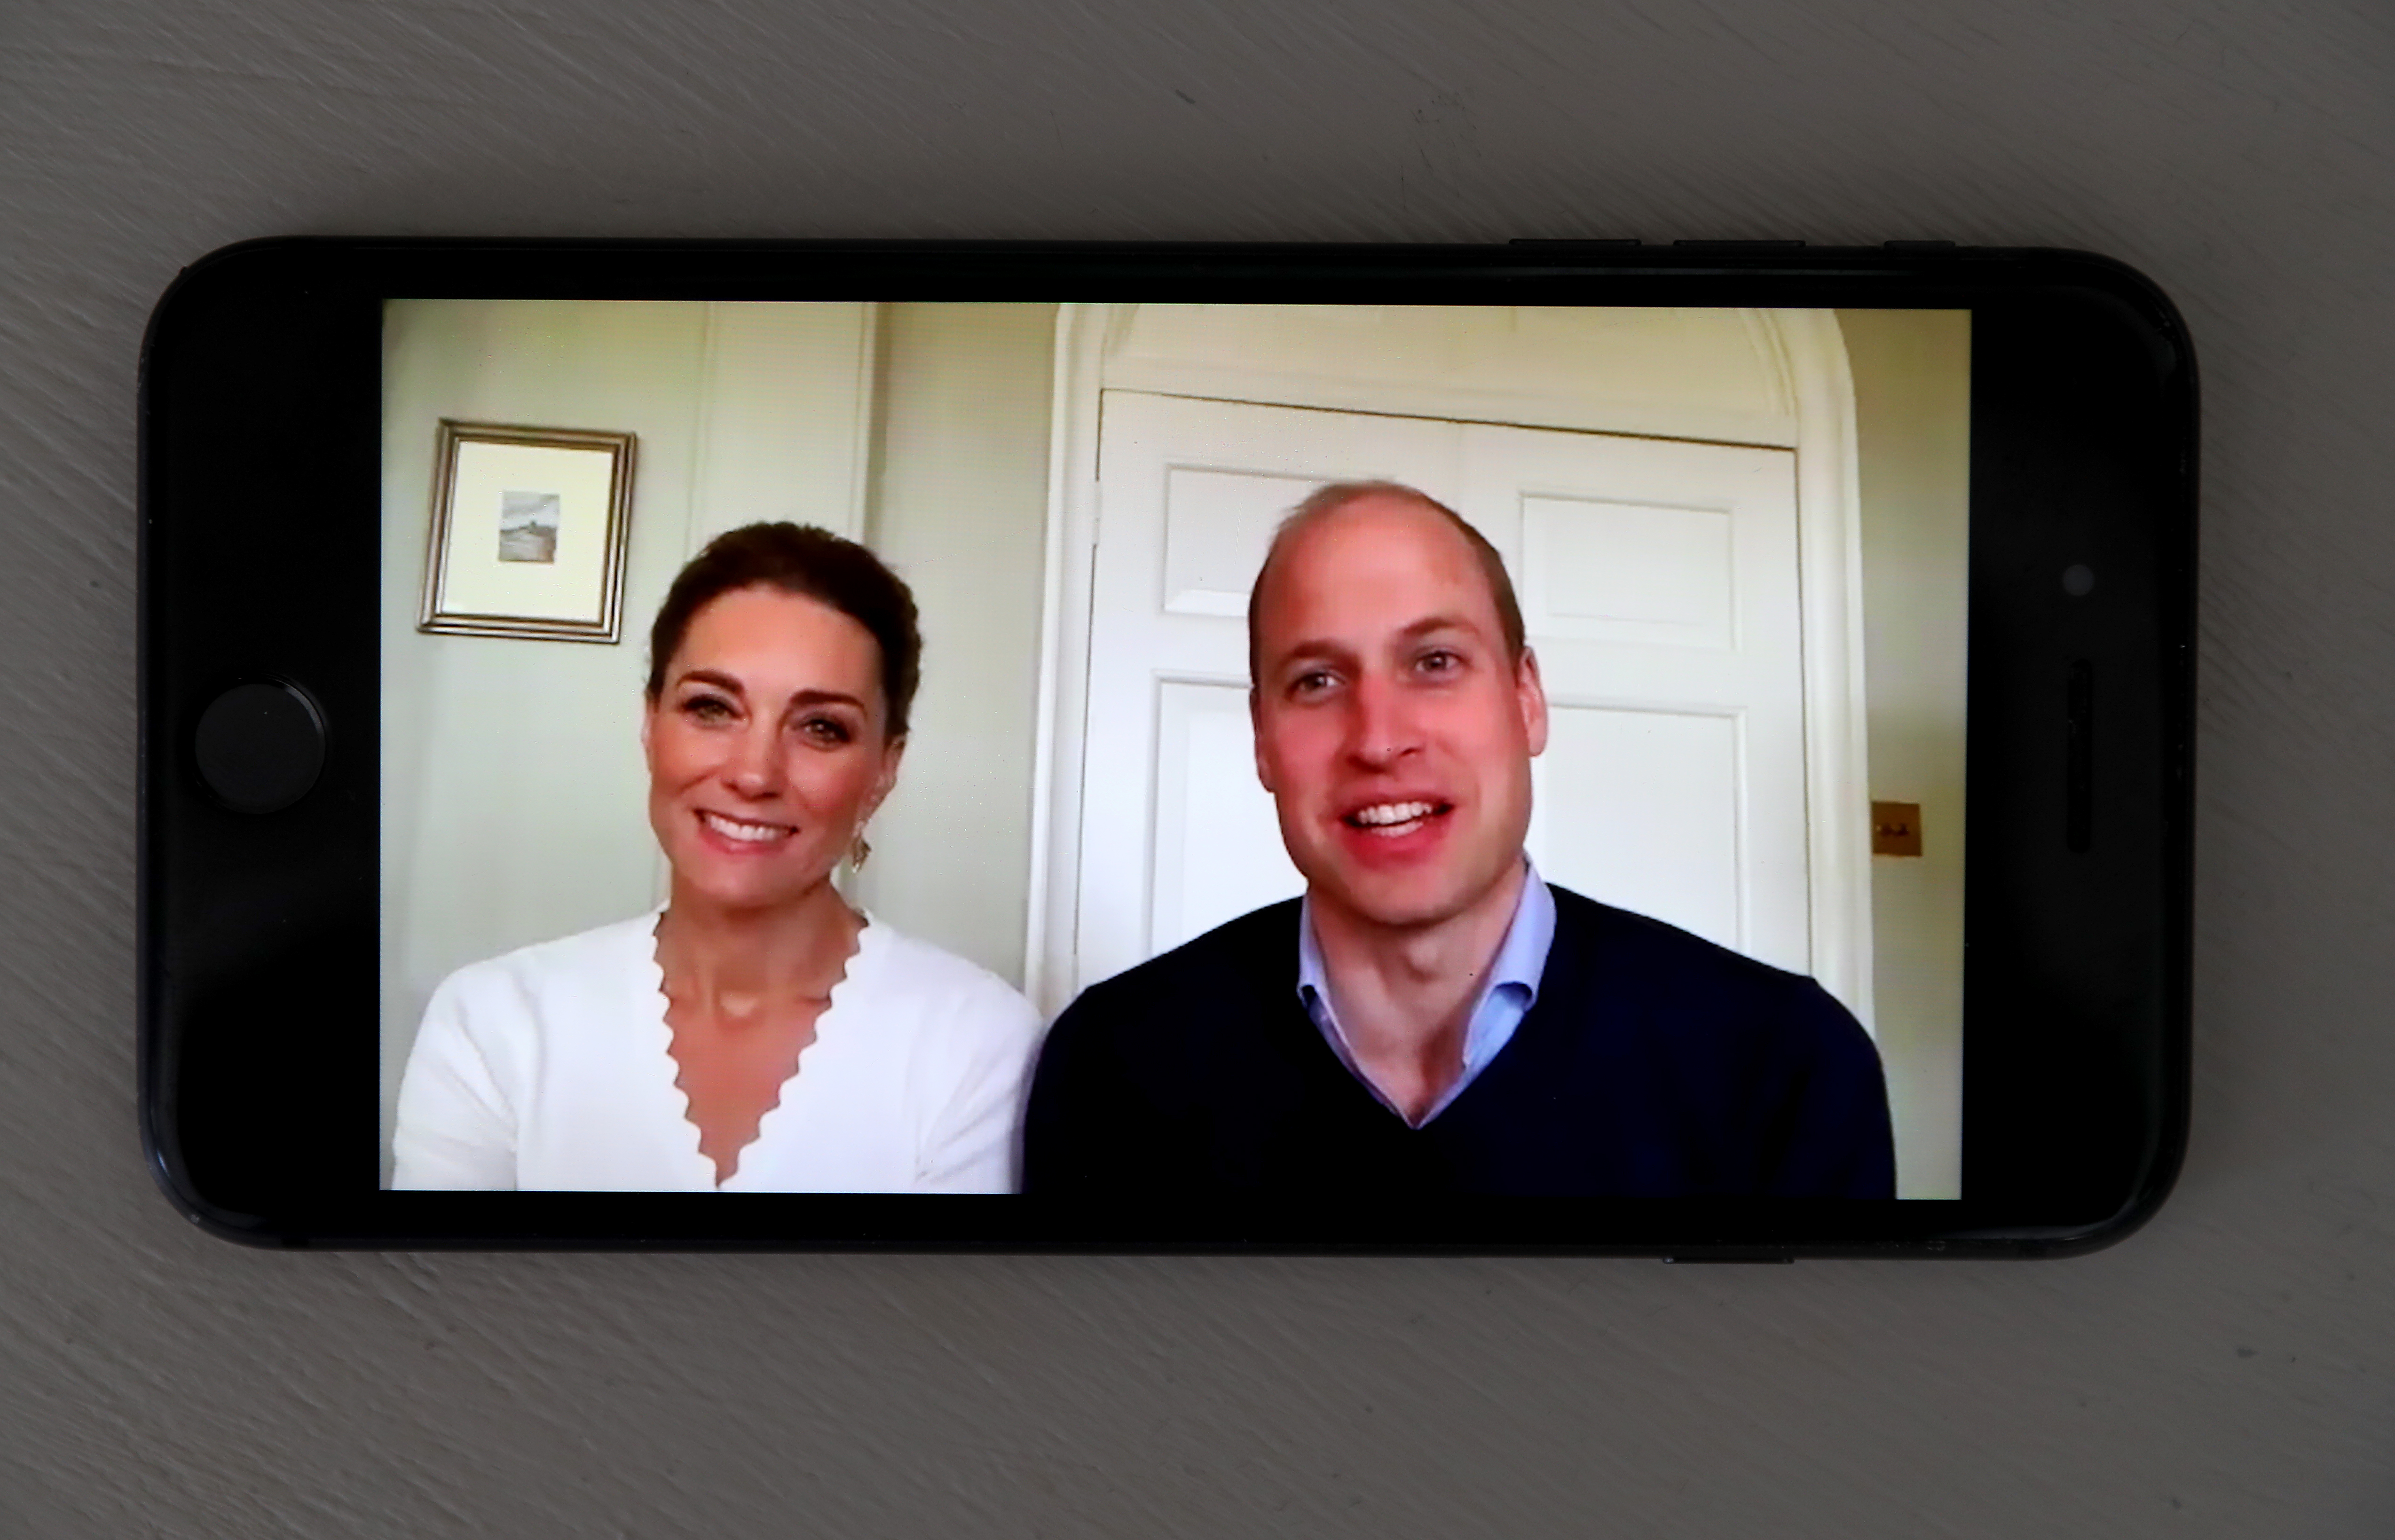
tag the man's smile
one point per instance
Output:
(1392, 819)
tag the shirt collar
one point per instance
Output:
(1521, 956)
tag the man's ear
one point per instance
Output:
(1530, 696)
(1256, 736)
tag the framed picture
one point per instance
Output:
(529, 528)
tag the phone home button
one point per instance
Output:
(260, 747)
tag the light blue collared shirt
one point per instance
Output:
(1511, 989)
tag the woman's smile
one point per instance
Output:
(748, 834)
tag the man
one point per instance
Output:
(1431, 1017)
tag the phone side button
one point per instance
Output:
(2078, 757)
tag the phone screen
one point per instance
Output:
(1659, 610)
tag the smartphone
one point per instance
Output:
(1584, 747)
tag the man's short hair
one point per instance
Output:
(1330, 498)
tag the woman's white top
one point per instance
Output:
(549, 1067)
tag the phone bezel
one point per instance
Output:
(257, 934)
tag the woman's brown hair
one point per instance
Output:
(813, 563)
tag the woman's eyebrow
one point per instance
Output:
(824, 697)
(799, 699)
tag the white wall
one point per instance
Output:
(1912, 413)
(514, 794)
(957, 506)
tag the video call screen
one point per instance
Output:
(705, 922)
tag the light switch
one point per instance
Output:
(1895, 828)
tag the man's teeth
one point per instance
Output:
(1389, 813)
(734, 829)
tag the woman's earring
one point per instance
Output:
(858, 849)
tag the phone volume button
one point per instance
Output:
(2078, 757)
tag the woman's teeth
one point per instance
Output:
(733, 828)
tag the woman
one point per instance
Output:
(757, 1033)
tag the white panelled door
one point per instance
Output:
(1177, 836)
(1658, 585)
(1658, 582)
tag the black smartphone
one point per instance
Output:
(1569, 746)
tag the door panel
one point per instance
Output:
(1595, 570)
(1658, 582)
(1216, 526)
(1176, 832)
(1679, 774)
(1218, 848)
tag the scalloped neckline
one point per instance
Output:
(870, 937)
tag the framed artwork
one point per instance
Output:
(529, 530)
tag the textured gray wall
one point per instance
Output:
(2227, 1371)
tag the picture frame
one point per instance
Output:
(529, 530)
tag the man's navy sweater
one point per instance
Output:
(1653, 1064)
